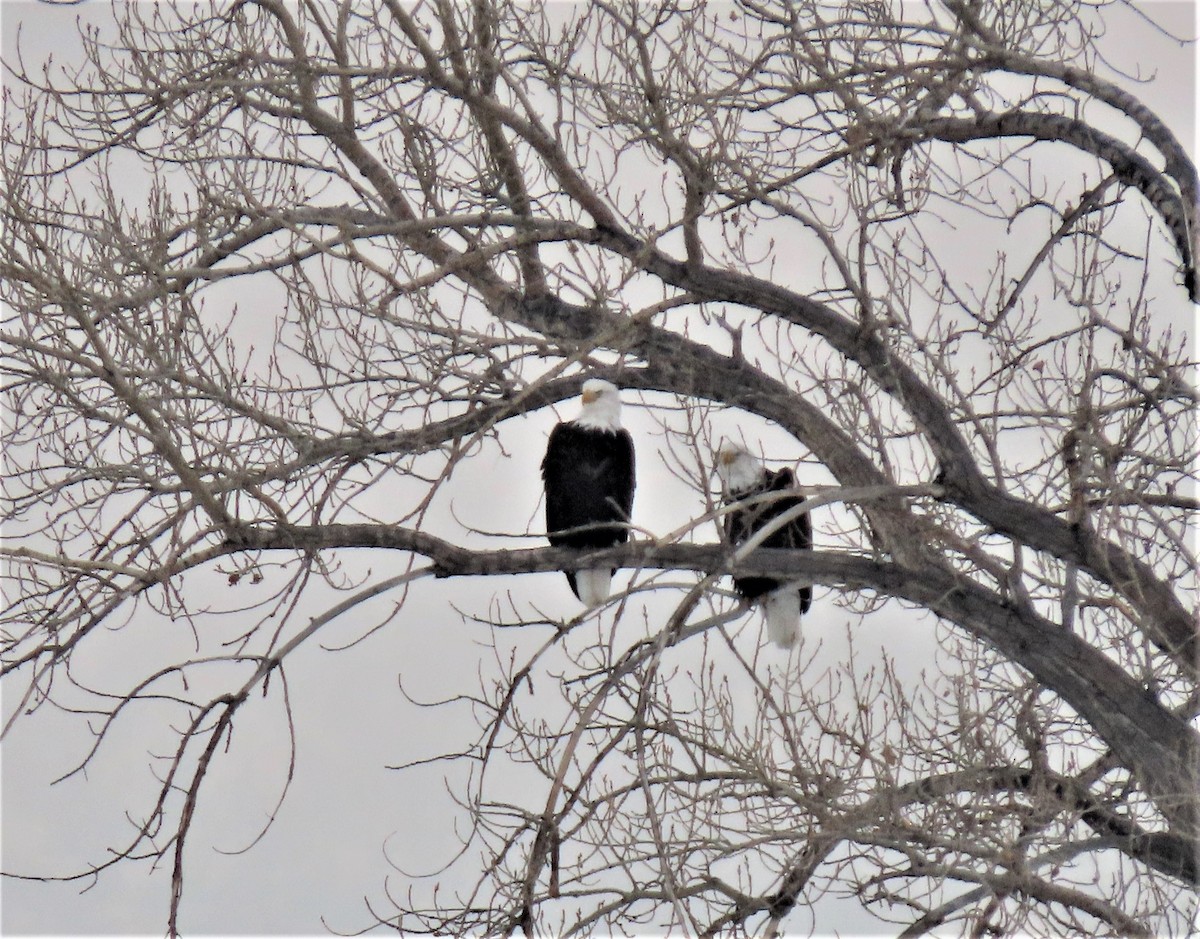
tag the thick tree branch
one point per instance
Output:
(365, 237)
(1164, 618)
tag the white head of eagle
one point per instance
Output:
(744, 477)
(588, 472)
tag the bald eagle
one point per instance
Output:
(588, 474)
(742, 477)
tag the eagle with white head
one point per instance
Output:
(588, 474)
(743, 478)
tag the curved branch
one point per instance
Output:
(1166, 621)
(1169, 625)
(1177, 163)
(1129, 166)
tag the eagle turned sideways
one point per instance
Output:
(744, 477)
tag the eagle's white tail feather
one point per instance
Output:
(782, 612)
(593, 585)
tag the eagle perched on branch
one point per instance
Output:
(588, 475)
(746, 480)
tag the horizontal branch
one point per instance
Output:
(1162, 749)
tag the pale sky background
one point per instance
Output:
(347, 816)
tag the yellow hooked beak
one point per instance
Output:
(590, 396)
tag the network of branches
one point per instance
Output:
(279, 276)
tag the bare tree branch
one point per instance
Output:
(291, 291)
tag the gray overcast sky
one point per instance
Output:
(346, 814)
